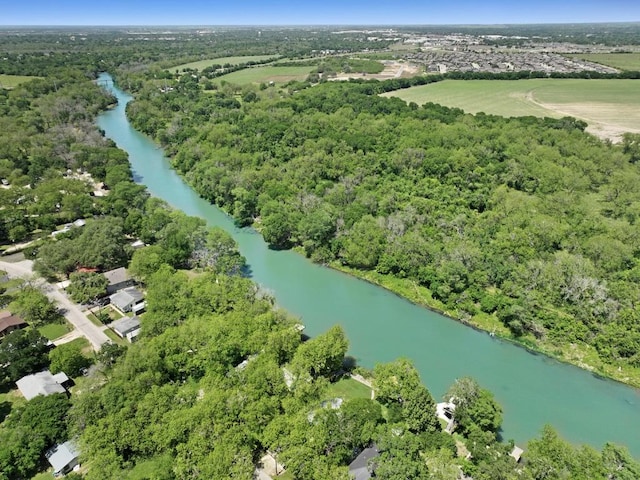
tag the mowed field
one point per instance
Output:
(610, 107)
(266, 74)
(622, 61)
(202, 64)
(11, 81)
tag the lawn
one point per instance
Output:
(14, 398)
(202, 64)
(266, 74)
(48, 475)
(608, 106)
(348, 389)
(54, 330)
(622, 61)
(12, 81)
(114, 337)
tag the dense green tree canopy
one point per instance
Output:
(22, 352)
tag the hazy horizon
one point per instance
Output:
(194, 13)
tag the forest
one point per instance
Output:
(528, 221)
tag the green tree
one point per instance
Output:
(86, 287)
(364, 244)
(109, 354)
(397, 384)
(475, 406)
(619, 464)
(22, 352)
(277, 229)
(34, 306)
(145, 262)
(29, 431)
(68, 358)
(217, 252)
(322, 355)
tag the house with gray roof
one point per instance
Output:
(63, 458)
(360, 468)
(128, 300)
(118, 279)
(127, 327)
(42, 383)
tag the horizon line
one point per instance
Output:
(158, 25)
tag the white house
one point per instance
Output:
(63, 458)
(42, 383)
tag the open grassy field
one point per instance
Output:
(622, 61)
(202, 64)
(12, 81)
(266, 74)
(610, 107)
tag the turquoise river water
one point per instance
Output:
(533, 389)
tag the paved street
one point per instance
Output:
(71, 311)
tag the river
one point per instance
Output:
(533, 389)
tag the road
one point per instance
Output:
(72, 313)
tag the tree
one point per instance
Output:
(277, 228)
(400, 458)
(398, 384)
(145, 262)
(109, 353)
(22, 352)
(218, 252)
(29, 431)
(34, 306)
(619, 464)
(475, 406)
(322, 355)
(86, 287)
(363, 245)
(68, 358)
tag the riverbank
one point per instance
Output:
(580, 355)
(533, 389)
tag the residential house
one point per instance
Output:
(127, 327)
(128, 300)
(9, 323)
(360, 468)
(516, 453)
(42, 383)
(63, 458)
(118, 279)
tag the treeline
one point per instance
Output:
(529, 221)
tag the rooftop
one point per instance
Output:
(125, 325)
(359, 468)
(125, 297)
(41, 383)
(62, 455)
(116, 276)
(10, 321)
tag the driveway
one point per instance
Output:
(72, 312)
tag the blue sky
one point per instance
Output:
(310, 12)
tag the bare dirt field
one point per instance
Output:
(392, 69)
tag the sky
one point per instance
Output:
(314, 12)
